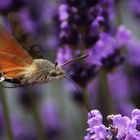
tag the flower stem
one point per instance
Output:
(37, 119)
(104, 95)
(6, 115)
(119, 18)
(86, 99)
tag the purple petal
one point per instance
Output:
(63, 13)
(100, 133)
(136, 115)
(123, 36)
(121, 124)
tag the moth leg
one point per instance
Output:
(2, 78)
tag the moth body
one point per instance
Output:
(40, 71)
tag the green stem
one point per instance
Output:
(6, 115)
(118, 13)
(104, 95)
(37, 119)
(86, 99)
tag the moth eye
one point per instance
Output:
(53, 74)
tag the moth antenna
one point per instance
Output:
(79, 89)
(76, 59)
(56, 63)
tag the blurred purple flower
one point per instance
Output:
(74, 27)
(25, 17)
(134, 52)
(123, 36)
(134, 6)
(1, 121)
(106, 52)
(63, 55)
(51, 121)
(23, 130)
(120, 91)
(120, 127)
(7, 6)
(94, 36)
(27, 96)
(78, 34)
(35, 16)
(4, 4)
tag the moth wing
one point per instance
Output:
(13, 58)
(23, 36)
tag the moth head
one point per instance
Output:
(56, 72)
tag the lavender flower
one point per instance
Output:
(79, 33)
(107, 51)
(96, 130)
(120, 127)
(74, 27)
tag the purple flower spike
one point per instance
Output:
(121, 127)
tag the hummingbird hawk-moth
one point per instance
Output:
(18, 65)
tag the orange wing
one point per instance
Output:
(13, 58)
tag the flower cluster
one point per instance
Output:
(74, 27)
(81, 22)
(93, 35)
(107, 53)
(120, 127)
